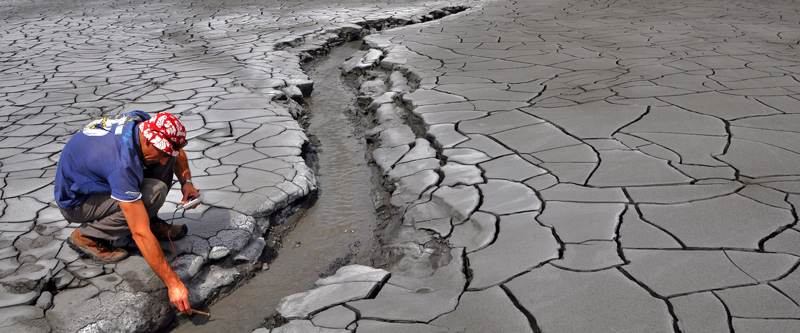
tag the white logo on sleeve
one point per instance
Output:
(133, 194)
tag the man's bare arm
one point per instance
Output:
(183, 173)
(136, 215)
(182, 167)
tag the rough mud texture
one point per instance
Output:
(603, 166)
(229, 71)
(560, 165)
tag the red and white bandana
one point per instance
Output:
(165, 132)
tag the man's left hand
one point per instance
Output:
(189, 192)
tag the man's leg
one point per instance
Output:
(101, 216)
(161, 172)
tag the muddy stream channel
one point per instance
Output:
(335, 229)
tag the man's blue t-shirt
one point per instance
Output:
(104, 157)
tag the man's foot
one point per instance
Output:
(98, 249)
(161, 229)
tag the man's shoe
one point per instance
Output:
(162, 230)
(98, 249)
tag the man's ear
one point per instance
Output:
(143, 141)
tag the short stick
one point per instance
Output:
(202, 313)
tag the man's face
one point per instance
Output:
(153, 155)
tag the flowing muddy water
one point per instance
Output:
(337, 228)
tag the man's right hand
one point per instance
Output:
(179, 296)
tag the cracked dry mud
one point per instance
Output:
(593, 165)
(604, 166)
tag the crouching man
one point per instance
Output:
(113, 176)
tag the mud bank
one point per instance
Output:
(333, 226)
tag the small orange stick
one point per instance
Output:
(208, 314)
(202, 313)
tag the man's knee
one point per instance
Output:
(162, 172)
(154, 193)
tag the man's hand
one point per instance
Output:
(189, 192)
(179, 296)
